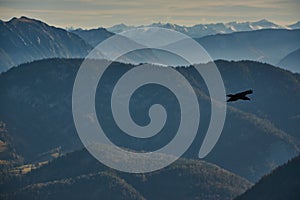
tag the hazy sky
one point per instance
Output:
(95, 13)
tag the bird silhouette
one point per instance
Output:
(239, 96)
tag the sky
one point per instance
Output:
(105, 13)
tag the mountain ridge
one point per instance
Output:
(24, 40)
(259, 45)
(291, 61)
(93, 36)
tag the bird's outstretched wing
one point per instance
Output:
(245, 92)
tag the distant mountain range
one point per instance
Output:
(268, 46)
(281, 184)
(36, 111)
(201, 30)
(24, 40)
(264, 45)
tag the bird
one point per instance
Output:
(240, 96)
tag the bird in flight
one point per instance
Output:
(239, 96)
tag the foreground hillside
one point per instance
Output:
(37, 123)
(281, 184)
(78, 175)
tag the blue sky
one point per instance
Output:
(95, 13)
